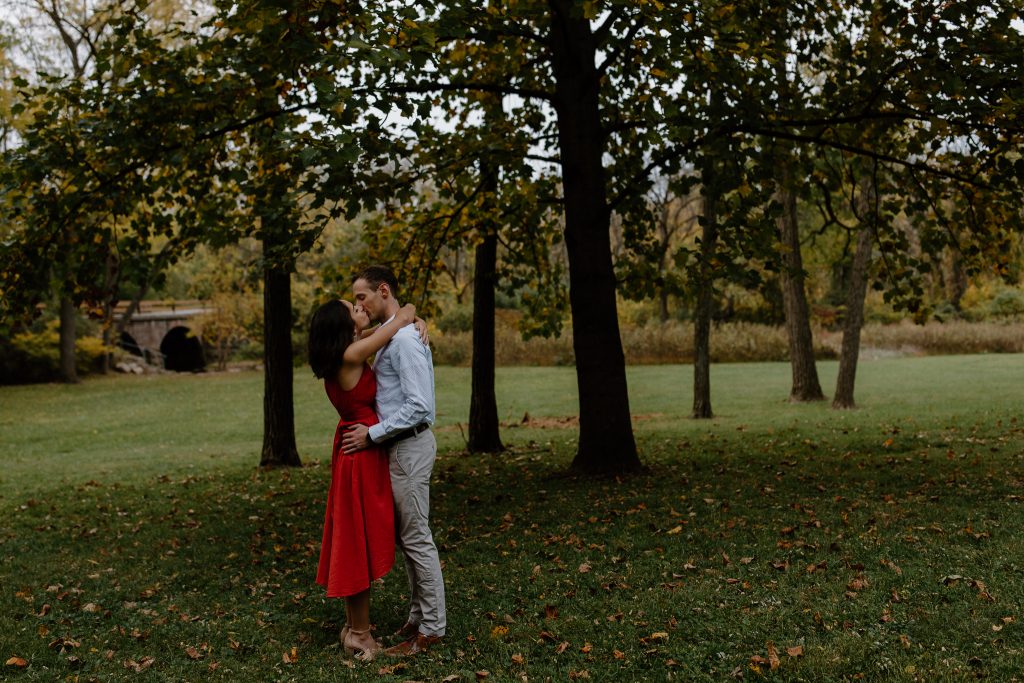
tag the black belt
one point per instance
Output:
(412, 431)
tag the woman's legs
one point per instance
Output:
(359, 639)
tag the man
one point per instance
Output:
(405, 407)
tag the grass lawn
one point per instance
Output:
(139, 541)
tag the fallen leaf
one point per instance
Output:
(192, 653)
(584, 568)
(659, 637)
(857, 584)
(140, 665)
(587, 647)
(951, 580)
(550, 612)
(795, 651)
(773, 656)
(562, 647)
(618, 654)
(674, 530)
(574, 675)
(481, 675)
(518, 659)
(17, 662)
(499, 631)
(905, 641)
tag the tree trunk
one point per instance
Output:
(278, 414)
(854, 317)
(705, 303)
(484, 431)
(606, 432)
(68, 336)
(110, 287)
(806, 386)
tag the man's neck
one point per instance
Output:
(390, 311)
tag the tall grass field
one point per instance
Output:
(775, 542)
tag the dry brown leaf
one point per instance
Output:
(481, 675)
(17, 662)
(550, 612)
(562, 647)
(192, 653)
(584, 568)
(518, 659)
(618, 654)
(587, 647)
(773, 656)
(795, 651)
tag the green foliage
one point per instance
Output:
(34, 355)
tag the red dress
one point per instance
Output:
(359, 528)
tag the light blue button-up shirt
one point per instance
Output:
(405, 385)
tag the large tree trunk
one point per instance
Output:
(68, 336)
(705, 303)
(854, 315)
(484, 431)
(606, 432)
(278, 413)
(806, 386)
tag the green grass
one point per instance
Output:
(136, 525)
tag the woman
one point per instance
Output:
(359, 531)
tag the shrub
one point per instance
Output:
(672, 342)
(456, 319)
(34, 356)
(1007, 303)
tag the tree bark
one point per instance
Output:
(705, 303)
(806, 386)
(68, 336)
(278, 413)
(855, 295)
(606, 433)
(484, 430)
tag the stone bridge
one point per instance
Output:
(159, 332)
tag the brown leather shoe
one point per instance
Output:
(409, 629)
(415, 645)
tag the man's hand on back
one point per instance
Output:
(355, 438)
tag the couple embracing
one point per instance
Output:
(381, 462)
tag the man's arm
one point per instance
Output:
(413, 368)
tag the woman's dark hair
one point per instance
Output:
(331, 330)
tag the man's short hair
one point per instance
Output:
(375, 275)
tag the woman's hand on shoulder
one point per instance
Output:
(421, 328)
(406, 314)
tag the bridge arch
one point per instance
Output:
(182, 350)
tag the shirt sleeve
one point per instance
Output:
(413, 368)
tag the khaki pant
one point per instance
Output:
(411, 463)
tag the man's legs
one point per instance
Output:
(411, 462)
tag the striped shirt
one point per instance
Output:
(405, 385)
